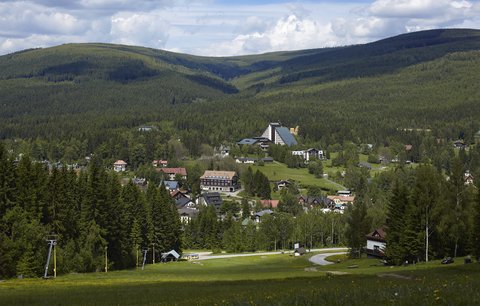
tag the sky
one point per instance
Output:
(224, 27)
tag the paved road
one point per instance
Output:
(319, 259)
(208, 255)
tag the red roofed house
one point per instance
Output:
(119, 166)
(160, 163)
(269, 203)
(172, 172)
(376, 243)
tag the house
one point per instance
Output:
(468, 178)
(282, 184)
(211, 199)
(262, 142)
(278, 134)
(187, 214)
(140, 182)
(119, 166)
(146, 128)
(376, 243)
(262, 213)
(300, 251)
(309, 154)
(246, 160)
(185, 203)
(226, 181)
(222, 151)
(160, 163)
(459, 144)
(171, 173)
(171, 186)
(342, 199)
(269, 203)
(310, 201)
(170, 256)
(344, 193)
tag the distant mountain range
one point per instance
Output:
(417, 76)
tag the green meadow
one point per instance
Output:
(259, 280)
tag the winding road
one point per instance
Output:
(321, 260)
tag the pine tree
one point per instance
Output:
(396, 223)
(358, 226)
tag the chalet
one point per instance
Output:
(262, 213)
(269, 203)
(282, 184)
(226, 181)
(376, 243)
(309, 154)
(171, 173)
(310, 201)
(278, 134)
(211, 199)
(187, 214)
(246, 160)
(170, 256)
(459, 144)
(468, 178)
(222, 151)
(160, 163)
(119, 166)
(171, 186)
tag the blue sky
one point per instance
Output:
(224, 27)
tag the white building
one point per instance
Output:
(278, 134)
(309, 154)
(119, 166)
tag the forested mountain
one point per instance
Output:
(91, 95)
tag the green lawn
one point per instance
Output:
(260, 280)
(277, 171)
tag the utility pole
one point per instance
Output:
(145, 250)
(153, 250)
(106, 259)
(51, 243)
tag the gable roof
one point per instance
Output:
(218, 175)
(181, 171)
(182, 202)
(172, 253)
(287, 138)
(269, 203)
(378, 235)
(120, 163)
(171, 184)
(212, 198)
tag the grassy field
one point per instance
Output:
(277, 171)
(261, 280)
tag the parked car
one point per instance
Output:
(447, 260)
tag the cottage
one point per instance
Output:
(376, 243)
(160, 163)
(119, 166)
(226, 181)
(187, 214)
(170, 256)
(278, 134)
(172, 173)
(211, 199)
(309, 154)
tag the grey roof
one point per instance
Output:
(213, 198)
(171, 184)
(247, 141)
(188, 211)
(287, 138)
(172, 252)
(182, 201)
(264, 212)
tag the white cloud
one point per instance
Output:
(206, 28)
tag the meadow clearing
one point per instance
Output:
(259, 280)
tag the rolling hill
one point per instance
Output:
(361, 93)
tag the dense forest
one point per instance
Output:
(81, 106)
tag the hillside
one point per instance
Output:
(362, 93)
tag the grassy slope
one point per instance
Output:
(276, 279)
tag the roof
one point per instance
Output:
(378, 235)
(181, 171)
(171, 184)
(182, 202)
(264, 212)
(269, 203)
(172, 252)
(247, 141)
(120, 162)
(287, 138)
(212, 198)
(342, 198)
(185, 211)
(218, 175)
(364, 165)
(408, 147)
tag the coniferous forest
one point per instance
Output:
(82, 105)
